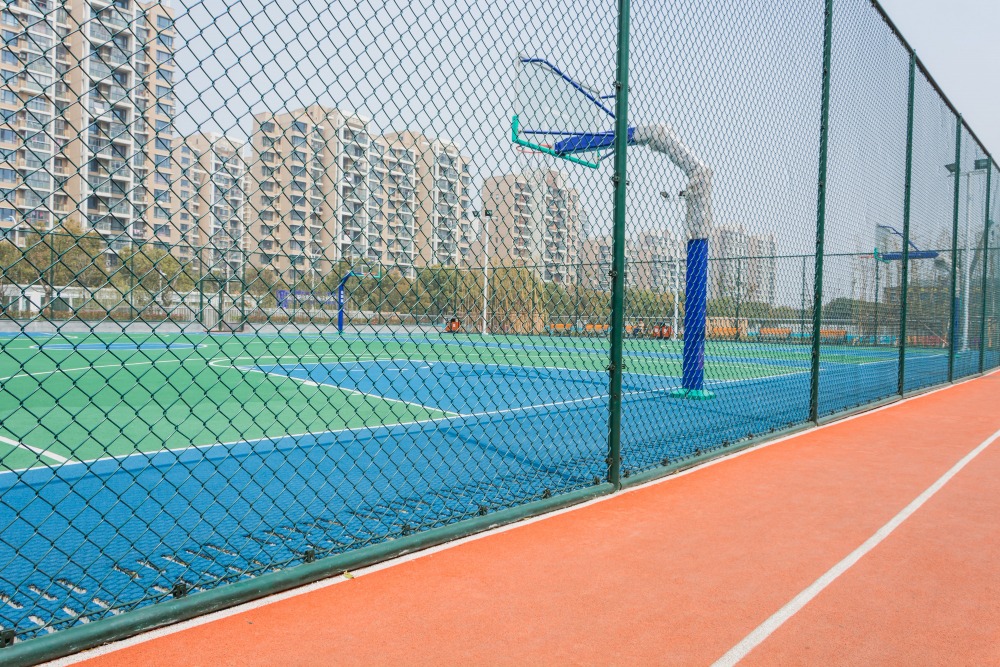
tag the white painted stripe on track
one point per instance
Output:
(759, 634)
(37, 450)
(333, 580)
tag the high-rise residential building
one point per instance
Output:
(445, 233)
(393, 206)
(536, 223)
(322, 188)
(743, 265)
(762, 270)
(308, 192)
(87, 104)
(200, 217)
(654, 261)
(728, 248)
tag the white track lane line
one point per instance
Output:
(767, 628)
(37, 450)
(333, 580)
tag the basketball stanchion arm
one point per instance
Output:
(697, 228)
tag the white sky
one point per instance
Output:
(959, 42)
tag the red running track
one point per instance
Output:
(685, 570)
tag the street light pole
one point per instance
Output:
(487, 214)
(677, 296)
(677, 278)
(980, 165)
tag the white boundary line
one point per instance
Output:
(768, 627)
(226, 363)
(40, 452)
(333, 580)
(356, 392)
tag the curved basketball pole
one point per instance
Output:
(660, 138)
(697, 228)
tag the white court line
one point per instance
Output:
(87, 368)
(358, 392)
(333, 579)
(37, 450)
(915, 358)
(226, 363)
(767, 628)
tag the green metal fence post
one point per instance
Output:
(954, 249)
(904, 280)
(986, 270)
(824, 139)
(618, 250)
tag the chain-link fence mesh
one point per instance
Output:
(286, 282)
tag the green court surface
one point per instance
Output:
(87, 396)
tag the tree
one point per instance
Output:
(63, 256)
(146, 273)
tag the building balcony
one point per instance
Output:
(98, 70)
(98, 32)
(122, 210)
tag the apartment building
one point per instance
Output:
(307, 192)
(323, 188)
(444, 231)
(87, 109)
(536, 222)
(743, 265)
(762, 269)
(393, 206)
(201, 216)
(654, 261)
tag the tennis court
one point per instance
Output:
(162, 460)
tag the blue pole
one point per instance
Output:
(695, 311)
(340, 304)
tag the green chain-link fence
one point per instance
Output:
(290, 288)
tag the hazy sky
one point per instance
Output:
(738, 81)
(958, 41)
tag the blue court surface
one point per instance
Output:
(134, 527)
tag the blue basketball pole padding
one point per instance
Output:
(340, 305)
(695, 311)
(340, 298)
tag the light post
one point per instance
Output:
(979, 167)
(487, 214)
(676, 276)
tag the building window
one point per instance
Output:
(161, 213)
(267, 127)
(164, 23)
(299, 126)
